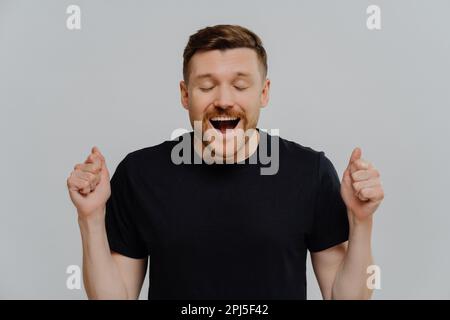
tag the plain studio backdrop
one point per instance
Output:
(115, 84)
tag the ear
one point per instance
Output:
(265, 93)
(184, 95)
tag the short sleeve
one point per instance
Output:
(121, 208)
(330, 221)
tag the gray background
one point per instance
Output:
(114, 84)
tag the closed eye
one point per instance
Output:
(206, 89)
(240, 88)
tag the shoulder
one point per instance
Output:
(295, 151)
(151, 154)
(306, 158)
(149, 159)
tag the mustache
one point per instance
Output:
(225, 113)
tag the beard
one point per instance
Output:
(224, 133)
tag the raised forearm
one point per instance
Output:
(351, 279)
(101, 275)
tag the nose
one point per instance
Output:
(224, 99)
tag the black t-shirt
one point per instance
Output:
(225, 231)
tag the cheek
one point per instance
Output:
(198, 105)
(250, 103)
(246, 101)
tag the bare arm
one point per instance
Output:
(341, 271)
(106, 274)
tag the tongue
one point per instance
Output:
(224, 125)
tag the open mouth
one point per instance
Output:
(224, 123)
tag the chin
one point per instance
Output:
(227, 149)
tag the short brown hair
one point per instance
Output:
(221, 37)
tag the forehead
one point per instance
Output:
(224, 63)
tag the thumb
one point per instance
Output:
(104, 171)
(356, 154)
(96, 151)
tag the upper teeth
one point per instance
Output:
(223, 118)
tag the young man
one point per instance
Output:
(225, 231)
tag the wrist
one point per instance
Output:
(359, 223)
(92, 221)
(360, 230)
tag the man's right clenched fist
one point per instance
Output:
(88, 184)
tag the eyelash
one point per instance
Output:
(208, 89)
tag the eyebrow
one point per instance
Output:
(210, 75)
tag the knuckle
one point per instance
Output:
(73, 176)
(364, 193)
(90, 176)
(363, 163)
(77, 174)
(78, 185)
(94, 168)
